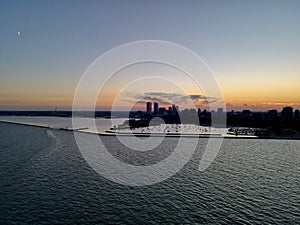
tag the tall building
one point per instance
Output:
(175, 108)
(287, 113)
(204, 113)
(297, 114)
(149, 107)
(155, 108)
(246, 113)
(199, 111)
(220, 112)
(272, 114)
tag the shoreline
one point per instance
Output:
(171, 135)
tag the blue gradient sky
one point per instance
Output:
(252, 47)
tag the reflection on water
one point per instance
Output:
(45, 180)
(102, 124)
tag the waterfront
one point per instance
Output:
(115, 126)
(45, 180)
(102, 124)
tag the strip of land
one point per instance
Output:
(165, 130)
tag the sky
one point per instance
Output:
(252, 47)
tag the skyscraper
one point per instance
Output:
(220, 112)
(272, 114)
(199, 111)
(174, 108)
(155, 108)
(149, 107)
(297, 114)
(287, 113)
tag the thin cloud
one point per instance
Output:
(196, 97)
(165, 98)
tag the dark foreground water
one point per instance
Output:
(45, 180)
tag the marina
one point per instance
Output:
(182, 130)
(105, 129)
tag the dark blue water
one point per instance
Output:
(45, 180)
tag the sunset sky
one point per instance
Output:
(252, 47)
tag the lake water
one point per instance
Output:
(45, 180)
(101, 124)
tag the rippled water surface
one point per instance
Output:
(45, 180)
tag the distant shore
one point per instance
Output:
(137, 134)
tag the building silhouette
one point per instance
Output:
(272, 114)
(220, 112)
(149, 107)
(246, 113)
(297, 114)
(287, 113)
(155, 108)
(161, 110)
(271, 123)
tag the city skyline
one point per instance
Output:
(154, 108)
(252, 48)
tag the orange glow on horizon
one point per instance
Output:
(239, 94)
